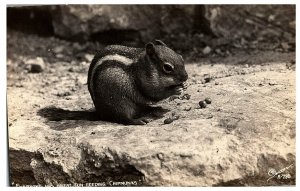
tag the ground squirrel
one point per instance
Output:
(124, 81)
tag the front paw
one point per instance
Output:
(178, 90)
(184, 86)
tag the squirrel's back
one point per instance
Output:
(118, 53)
(116, 50)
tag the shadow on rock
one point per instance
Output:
(61, 119)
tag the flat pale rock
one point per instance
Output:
(246, 133)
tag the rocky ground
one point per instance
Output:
(242, 138)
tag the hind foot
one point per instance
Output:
(139, 121)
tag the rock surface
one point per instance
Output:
(245, 134)
(248, 129)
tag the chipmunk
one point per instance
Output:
(124, 81)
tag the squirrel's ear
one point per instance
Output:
(150, 49)
(159, 42)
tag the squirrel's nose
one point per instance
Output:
(184, 76)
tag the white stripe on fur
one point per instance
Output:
(116, 57)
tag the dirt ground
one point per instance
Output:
(248, 129)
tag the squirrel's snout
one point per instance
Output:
(184, 77)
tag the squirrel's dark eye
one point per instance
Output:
(168, 68)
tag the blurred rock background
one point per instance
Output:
(194, 30)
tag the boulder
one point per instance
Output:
(242, 138)
(130, 22)
(268, 22)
